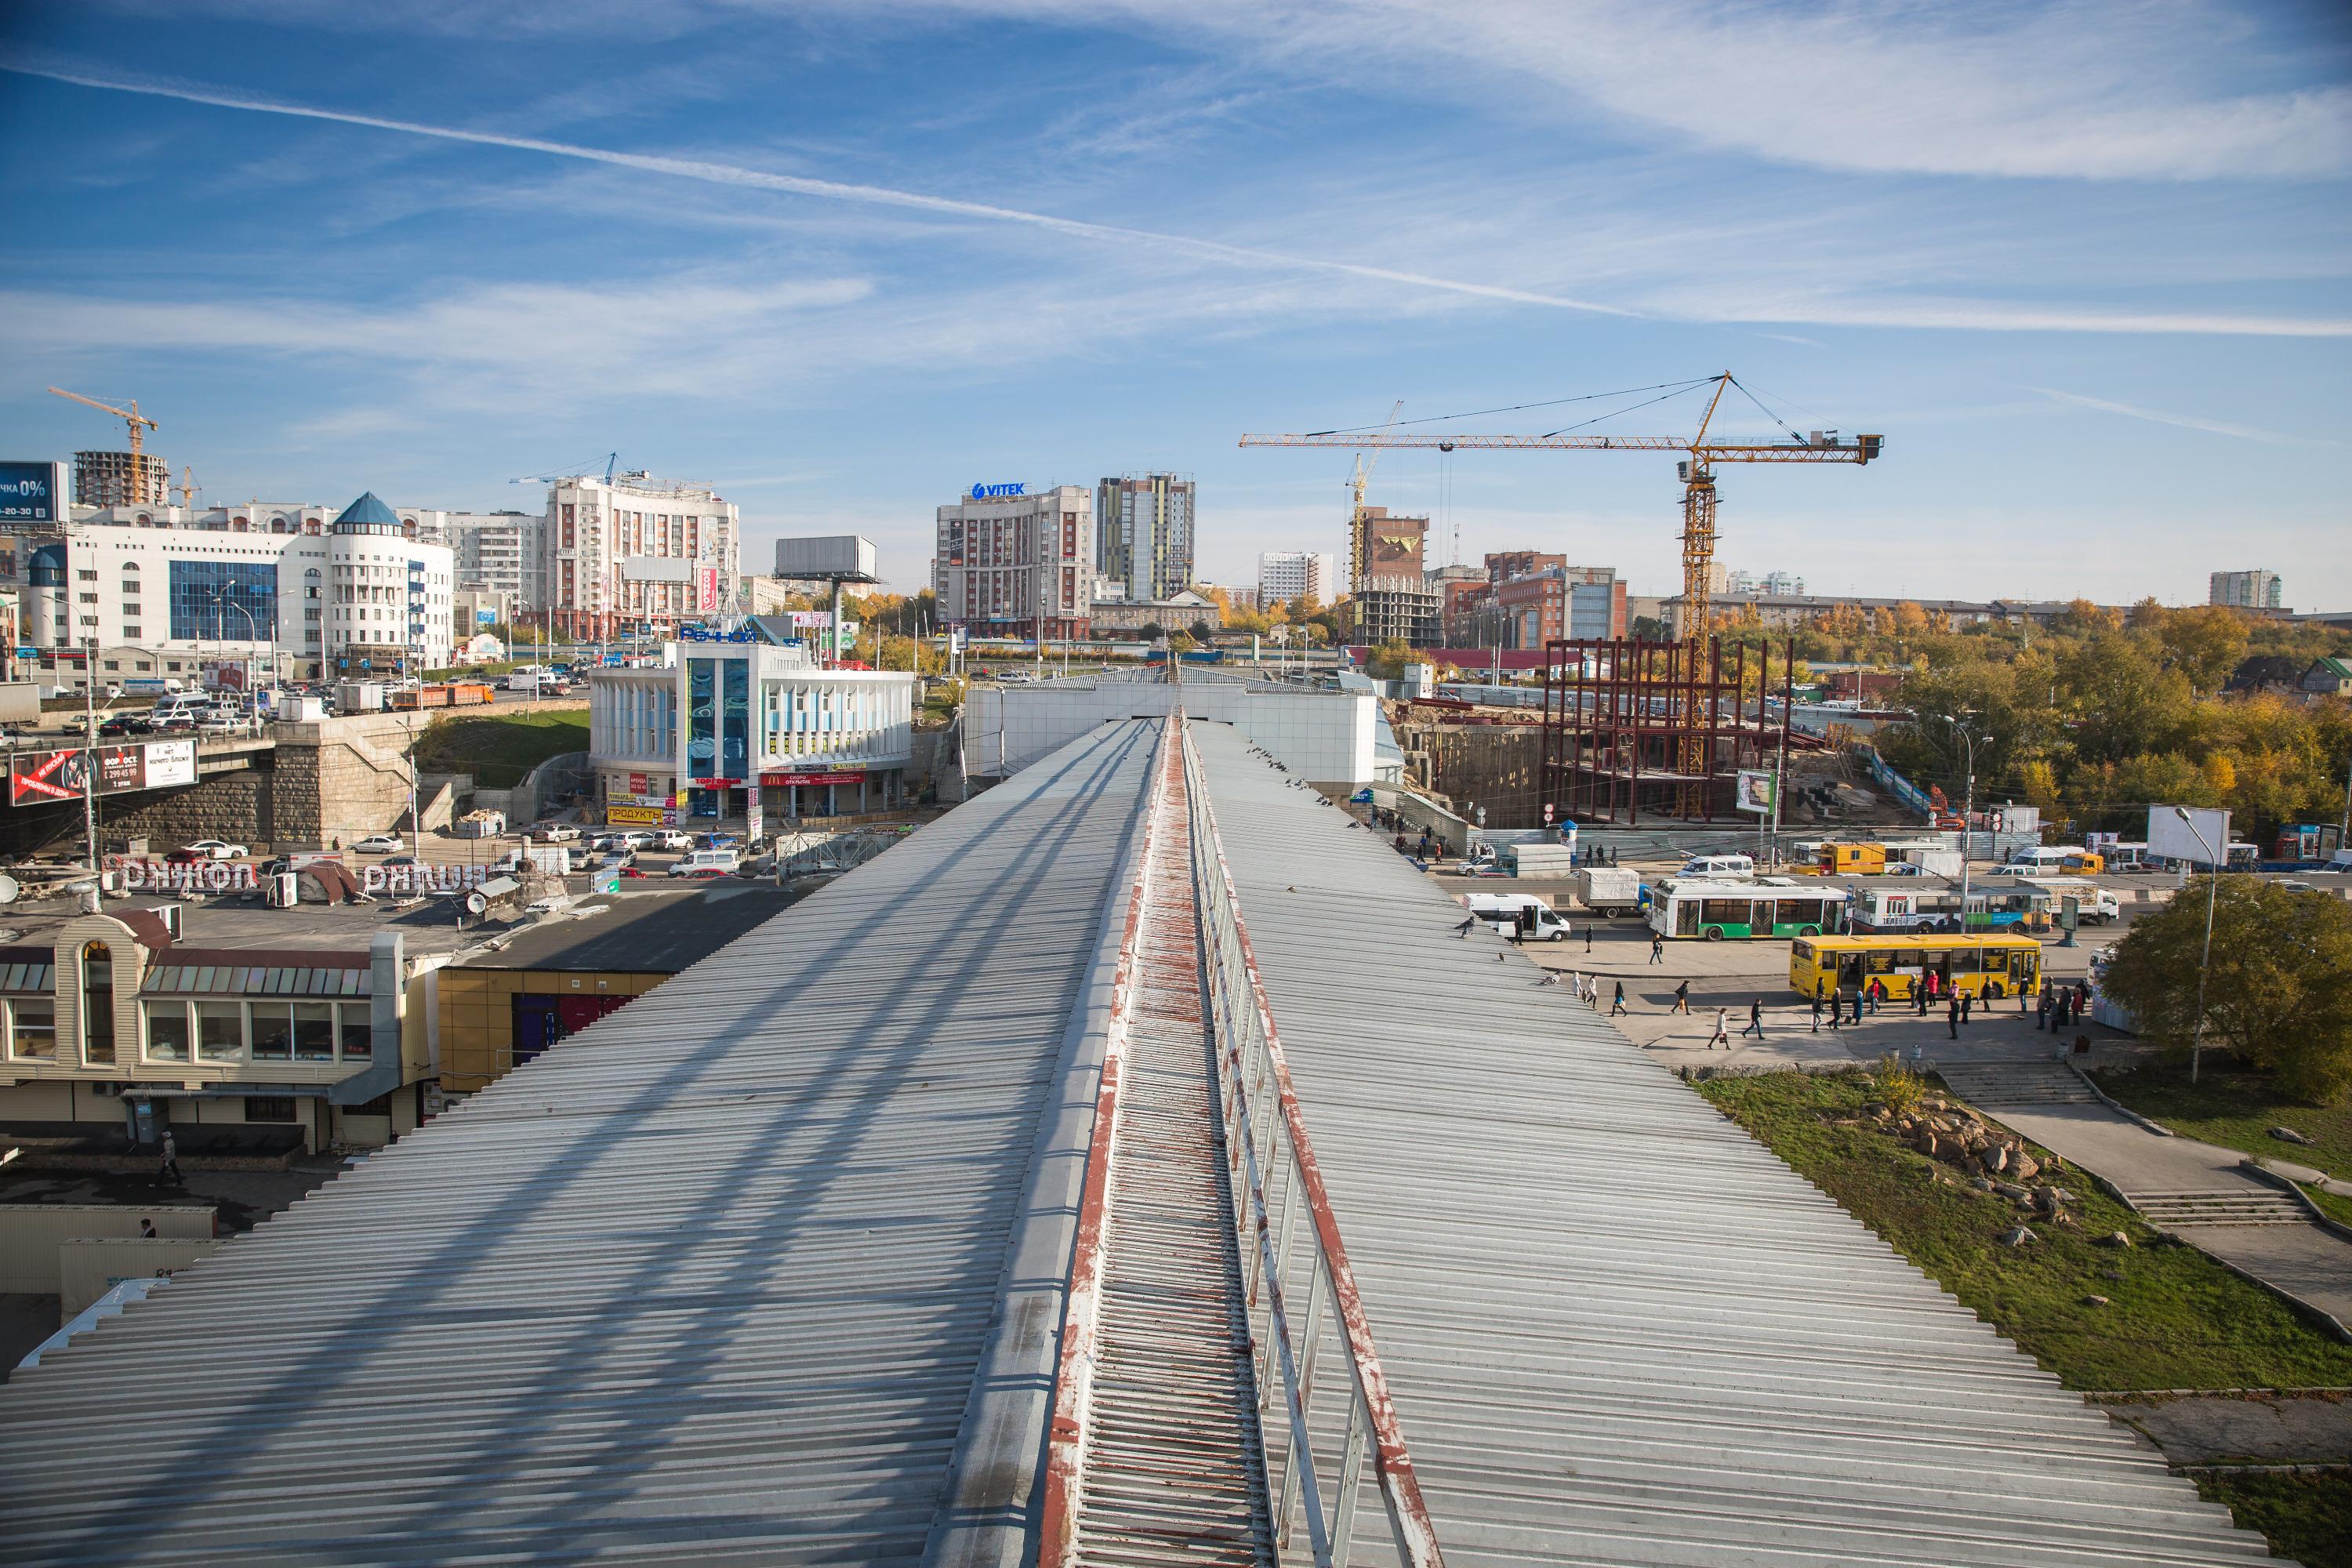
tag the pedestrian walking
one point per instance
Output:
(1873, 991)
(1617, 1002)
(1817, 1013)
(171, 1169)
(2022, 1009)
(1657, 948)
(1855, 1017)
(1588, 939)
(1952, 1018)
(1919, 995)
(2042, 1008)
(1967, 1005)
(1755, 1019)
(1837, 1007)
(1682, 997)
(1722, 1029)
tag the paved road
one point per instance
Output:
(2279, 1429)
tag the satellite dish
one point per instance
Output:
(8, 889)
(477, 904)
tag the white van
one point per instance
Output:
(1521, 917)
(707, 863)
(193, 706)
(1718, 866)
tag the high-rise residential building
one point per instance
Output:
(119, 479)
(1283, 575)
(1393, 597)
(1143, 533)
(500, 551)
(2255, 590)
(1746, 584)
(635, 553)
(1011, 561)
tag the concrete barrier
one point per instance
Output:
(31, 1235)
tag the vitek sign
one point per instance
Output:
(997, 492)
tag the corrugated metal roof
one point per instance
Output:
(718, 1289)
(1618, 1330)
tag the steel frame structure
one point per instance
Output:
(1623, 714)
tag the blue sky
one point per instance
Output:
(2084, 265)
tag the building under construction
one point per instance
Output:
(1633, 727)
(121, 478)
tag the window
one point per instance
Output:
(33, 1034)
(273, 1032)
(86, 575)
(167, 1031)
(270, 1108)
(97, 1003)
(143, 663)
(359, 1030)
(314, 1031)
(114, 664)
(220, 1031)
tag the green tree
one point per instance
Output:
(2205, 644)
(2278, 994)
(1387, 661)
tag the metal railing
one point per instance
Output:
(1276, 1184)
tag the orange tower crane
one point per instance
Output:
(136, 420)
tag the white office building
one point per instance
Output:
(499, 550)
(739, 728)
(1283, 575)
(355, 599)
(634, 555)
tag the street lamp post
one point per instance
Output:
(253, 634)
(2205, 964)
(1967, 817)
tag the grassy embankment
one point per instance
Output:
(499, 748)
(2237, 1110)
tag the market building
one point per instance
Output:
(741, 727)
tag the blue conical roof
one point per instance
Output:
(369, 508)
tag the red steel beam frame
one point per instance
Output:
(1067, 1434)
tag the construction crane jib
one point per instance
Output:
(1696, 471)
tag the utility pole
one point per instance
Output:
(90, 751)
(2212, 887)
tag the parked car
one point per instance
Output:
(557, 833)
(402, 860)
(219, 723)
(546, 905)
(217, 849)
(381, 844)
(674, 840)
(631, 839)
(121, 725)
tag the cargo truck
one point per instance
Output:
(1608, 891)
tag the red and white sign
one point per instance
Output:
(639, 784)
(714, 784)
(785, 781)
(38, 776)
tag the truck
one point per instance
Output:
(1933, 862)
(1536, 859)
(1608, 891)
(1521, 917)
(360, 696)
(456, 694)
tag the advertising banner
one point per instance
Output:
(636, 815)
(751, 812)
(640, 784)
(785, 781)
(119, 768)
(171, 762)
(29, 493)
(812, 617)
(2198, 834)
(1756, 792)
(35, 777)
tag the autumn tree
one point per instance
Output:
(2278, 993)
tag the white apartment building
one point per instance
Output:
(638, 553)
(1286, 574)
(500, 551)
(2255, 590)
(1014, 562)
(357, 598)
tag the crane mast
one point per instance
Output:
(138, 424)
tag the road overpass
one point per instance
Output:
(1136, 1166)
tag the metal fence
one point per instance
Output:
(1286, 1230)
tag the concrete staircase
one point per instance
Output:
(1992, 1085)
(2229, 1206)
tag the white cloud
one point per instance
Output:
(2182, 421)
(2077, 90)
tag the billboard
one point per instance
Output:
(2170, 838)
(35, 777)
(1756, 792)
(786, 781)
(636, 816)
(849, 555)
(32, 492)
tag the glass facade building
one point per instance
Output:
(206, 597)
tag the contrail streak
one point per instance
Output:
(829, 190)
(2180, 421)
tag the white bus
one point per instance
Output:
(1717, 910)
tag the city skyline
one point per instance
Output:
(2090, 285)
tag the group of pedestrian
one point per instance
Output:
(2059, 1006)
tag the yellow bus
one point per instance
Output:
(1994, 965)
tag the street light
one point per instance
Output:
(2212, 885)
(1967, 816)
(253, 634)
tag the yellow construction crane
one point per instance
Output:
(1356, 564)
(1696, 471)
(188, 491)
(134, 419)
